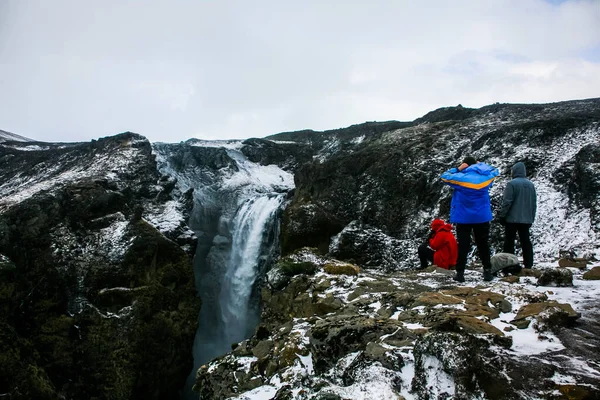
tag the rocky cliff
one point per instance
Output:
(345, 317)
(387, 189)
(96, 301)
(330, 331)
(303, 246)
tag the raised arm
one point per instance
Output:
(449, 176)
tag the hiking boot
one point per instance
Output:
(487, 275)
(459, 277)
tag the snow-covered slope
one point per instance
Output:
(11, 137)
(390, 185)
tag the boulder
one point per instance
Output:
(282, 272)
(341, 269)
(549, 315)
(578, 392)
(593, 274)
(225, 377)
(334, 337)
(370, 247)
(476, 326)
(511, 279)
(505, 306)
(556, 277)
(377, 286)
(359, 291)
(475, 296)
(580, 263)
(373, 353)
(504, 261)
(262, 349)
(296, 301)
(435, 298)
(467, 371)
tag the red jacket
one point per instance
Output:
(444, 244)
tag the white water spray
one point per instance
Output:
(236, 221)
(250, 232)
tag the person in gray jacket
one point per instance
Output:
(517, 213)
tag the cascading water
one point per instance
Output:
(248, 245)
(236, 219)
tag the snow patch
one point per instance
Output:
(265, 392)
(244, 363)
(166, 217)
(371, 383)
(439, 382)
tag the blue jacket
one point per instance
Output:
(519, 204)
(471, 197)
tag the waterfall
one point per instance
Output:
(250, 232)
(236, 220)
(227, 276)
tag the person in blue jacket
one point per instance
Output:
(471, 211)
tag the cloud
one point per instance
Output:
(235, 69)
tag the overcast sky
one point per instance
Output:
(172, 70)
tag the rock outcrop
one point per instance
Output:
(411, 334)
(388, 332)
(391, 184)
(97, 289)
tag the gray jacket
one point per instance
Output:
(520, 200)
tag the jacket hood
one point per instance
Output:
(518, 170)
(480, 168)
(439, 224)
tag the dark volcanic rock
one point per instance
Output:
(318, 140)
(469, 365)
(556, 277)
(399, 338)
(287, 155)
(580, 176)
(334, 338)
(391, 182)
(370, 247)
(97, 302)
(377, 185)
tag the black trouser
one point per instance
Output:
(510, 234)
(425, 255)
(481, 232)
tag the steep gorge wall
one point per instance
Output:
(97, 290)
(236, 214)
(96, 302)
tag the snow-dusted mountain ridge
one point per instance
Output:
(368, 198)
(8, 136)
(301, 246)
(390, 185)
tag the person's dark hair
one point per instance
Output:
(470, 160)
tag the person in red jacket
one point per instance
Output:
(441, 249)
